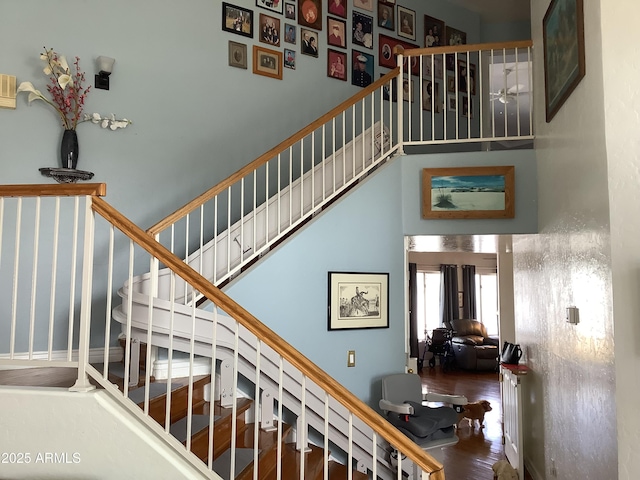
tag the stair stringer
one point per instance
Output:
(269, 366)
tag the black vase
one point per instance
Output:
(69, 151)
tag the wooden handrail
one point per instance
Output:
(474, 47)
(55, 190)
(266, 335)
(265, 157)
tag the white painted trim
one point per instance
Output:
(96, 355)
(180, 368)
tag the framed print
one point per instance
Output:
(453, 36)
(289, 33)
(431, 96)
(362, 27)
(338, 8)
(358, 300)
(269, 30)
(468, 192)
(452, 102)
(337, 64)
(362, 64)
(472, 78)
(451, 83)
(451, 61)
(237, 20)
(467, 107)
(388, 59)
(564, 59)
(309, 44)
(310, 13)
(406, 23)
(433, 32)
(386, 16)
(390, 90)
(237, 54)
(273, 5)
(289, 59)
(462, 76)
(290, 11)
(407, 90)
(267, 62)
(364, 4)
(432, 63)
(336, 30)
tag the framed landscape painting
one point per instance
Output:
(468, 192)
(564, 64)
(358, 300)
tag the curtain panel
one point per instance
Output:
(469, 292)
(449, 309)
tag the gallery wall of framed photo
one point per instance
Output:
(352, 40)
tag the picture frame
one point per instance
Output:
(362, 30)
(267, 62)
(290, 11)
(453, 36)
(237, 20)
(434, 30)
(435, 61)
(472, 78)
(274, 6)
(386, 15)
(290, 33)
(364, 5)
(310, 14)
(237, 54)
(451, 83)
(564, 52)
(336, 32)
(462, 76)
(467, 106)
(337, 8)
(406, 23)
(452, 102)
(269, 30)
(387, 45)
(309, 42)
(431, 96)
(337, 64)
(362, 65)
(289, 59)
(468, 192)
(357, 300)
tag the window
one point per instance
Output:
(487, 301)
(428, 302)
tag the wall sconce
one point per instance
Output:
(105, 67)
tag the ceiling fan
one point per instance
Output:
(510, 94)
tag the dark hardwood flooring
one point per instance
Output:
(478, 449)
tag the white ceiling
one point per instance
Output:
(497, 11)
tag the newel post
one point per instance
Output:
(82, 383)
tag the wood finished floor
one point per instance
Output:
(478, 449)
(471, 459)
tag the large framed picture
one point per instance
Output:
(269, 30)
(358, 300)
(362, 26)
(337, 64)
(453, 36)
(338, 7)
(388, 59)
(564, 59)
(310, 13)
(273, 5)
(386, 15)
(267, 62)
(336, 32)
(237, 54)
(433, 31)
(237, 20)
(406, 23)
(468, 192)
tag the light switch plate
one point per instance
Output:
(351, 358)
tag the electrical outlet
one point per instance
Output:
(351, 358)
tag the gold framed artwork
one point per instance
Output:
(468, 192)
(267, 62)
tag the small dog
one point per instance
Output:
(503, 471)
(474, 411)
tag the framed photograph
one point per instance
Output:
(564, 59)
(431, 96)
(362, 64)
(452, 102)
(468, 192)
(451, 83)
(310, 13)
(390, 91)
(432, 63)
(467, 106)
(309, 44)
(388, 59)
(407, 90)
(433, 32)
(290, 33)
(358, 300)
(472, 78)
(386, 16)
(269, 30)
(338, 8)
(336, 32)
(267, 62)
(462, 76)
(237, 54)
(273, 5)
(362, 27)
(453, 36)
(337, 64)
(289, 59)
(290, 11)
(237, 20)
(406, 23)
(363, 4)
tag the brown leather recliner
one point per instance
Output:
(472, 347)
